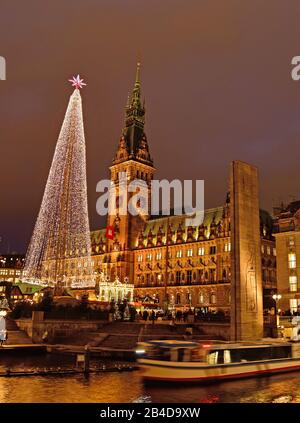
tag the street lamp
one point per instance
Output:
(276, 298)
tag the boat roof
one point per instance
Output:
(174, 343)
(220, 345)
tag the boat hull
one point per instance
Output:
(167, 371)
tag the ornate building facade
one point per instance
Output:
(287, 234)
(169, 262)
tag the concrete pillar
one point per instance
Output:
(246, 274)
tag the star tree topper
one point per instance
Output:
(77, 82)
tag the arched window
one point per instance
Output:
(201, 298)
(178, 298)
(213, 298)
(200, 275)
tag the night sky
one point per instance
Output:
(215, 76)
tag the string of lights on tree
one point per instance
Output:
(59, 253)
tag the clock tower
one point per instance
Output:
(132, 162)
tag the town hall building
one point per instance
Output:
(226, 263)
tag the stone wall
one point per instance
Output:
(216, 330)
(56, 328)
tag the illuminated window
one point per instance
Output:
(294, 305)
(292, 260)
(140, 258)
(201, 251)
(227, 358)
(293, 283)
(213, 298)
(190, 252)
(179, 253)
(274, 252)
(227, 247)
(268, 250)
(149, 256)
(213, 357)
(158, 256)
(291, 241)
(201, 298)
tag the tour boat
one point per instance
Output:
(212, 361)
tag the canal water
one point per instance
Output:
(128, 386)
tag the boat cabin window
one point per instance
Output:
(216, 357)
(240, 355)
(260, 353)
(169, 354)
(181, 354)
(227, 357)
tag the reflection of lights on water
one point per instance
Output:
(283, 399)
(210, 399)
(144, 398)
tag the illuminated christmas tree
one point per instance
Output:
(59, 251)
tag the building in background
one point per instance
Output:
(10, 267)
(287, 235)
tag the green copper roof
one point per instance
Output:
(97, 236)
(28, 288)
(154, 224)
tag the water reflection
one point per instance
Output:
(128, 387)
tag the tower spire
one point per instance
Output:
(136, 93)
(138, 76)
(133, 143)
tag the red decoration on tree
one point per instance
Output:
(110, 232)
